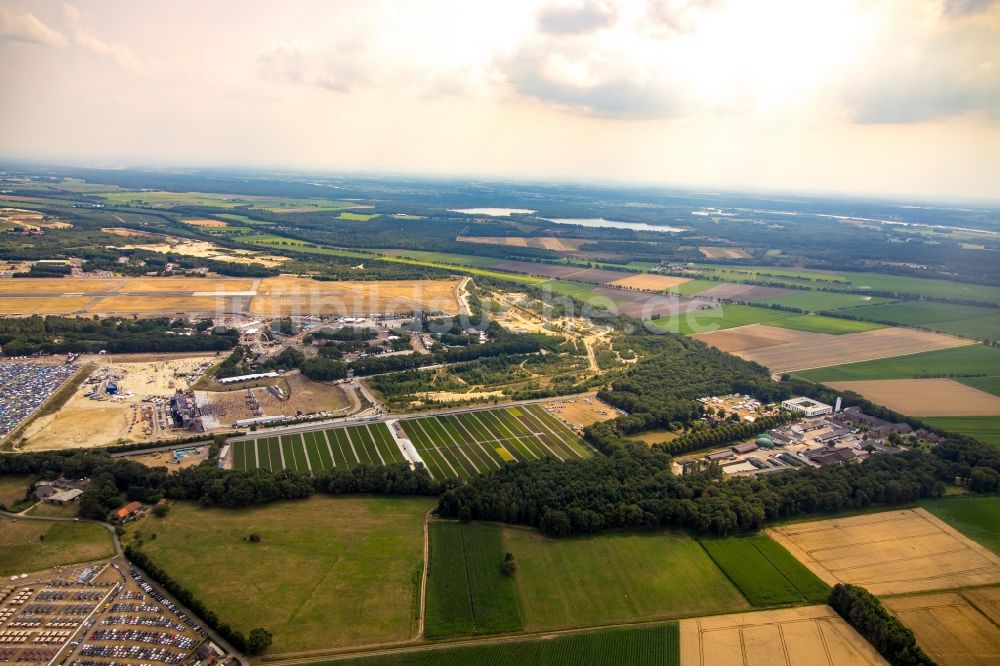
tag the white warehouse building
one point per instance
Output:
(806, 407)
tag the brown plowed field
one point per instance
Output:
(644, 305)
(744, 292)
(542, 242)
(648, 282)
(752, 336)
(819, 350)
(925, 397)
(893, 552)
(711, 252)
(950, 629)
(809, 635)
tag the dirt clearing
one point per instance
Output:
(791, 350)
(951, 629)
(579, 411)
(83, 422)
(893, 552)
(647, 282)
(207, 223)
(809, 635)
(925, 397)
(284, 296)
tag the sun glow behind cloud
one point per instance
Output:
(873, 95)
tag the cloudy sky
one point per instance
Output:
(873, 96)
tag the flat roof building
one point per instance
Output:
(806, 407)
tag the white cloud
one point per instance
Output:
(28, 28)
(86, 40)
(579, 18)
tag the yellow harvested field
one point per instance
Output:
(813, 635)
(649, 282)
(782, 350)
(893, 552)
(206, 250)
(168, 305)
(752, 336)
(925, 397)
(188, 284)
(55, 286)
(284, 296)
(128, 233)
(540, 242)
(207, 223)
(43, 305)
(723, 252)
(950, 629)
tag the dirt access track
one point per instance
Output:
(808, 635)
(785, 350)
(217, 296)
(954, 628)
(892, 552)
(925, 397)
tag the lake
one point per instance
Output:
(614, 224)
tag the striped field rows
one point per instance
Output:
(319, 450)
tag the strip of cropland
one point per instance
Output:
(463, 444)
(319, 450)
(640, 646)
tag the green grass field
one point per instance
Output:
(987, 384)
(765, 572)
(277, 204)
(615, 577)
(315, 451)
(724, 316)
(975, 517)
(461, 445)
(817, 301)
(984, 428)
(327, 571)
(979, 323)
(467, 590)
(821, 324)
(640, 646)
(34, 545)
(968, 360)
(357, 217)
(446, 258)
(13, 488)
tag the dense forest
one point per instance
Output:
(59, 335)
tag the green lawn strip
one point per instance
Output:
(640, 646)
(360, 445)
(386, 445)
(490, 438)
(444, 439)
(809, 585)
(444, 443)
(822, 324)
(33, 545)
(921, 312)
(312, 450)
(717, 318)
(817, 301)
(263, 460)
(494, 597)
(692, 287)
(975, 517)
(984, 428)
(494, 419)
(449, 609)
(968, 360)
(473, 427)
(488, 451)
(424, 444)
(497, 431)
(299, 450)
(323, 450)
(567, 436)
(239, 456)
(548, 437)
(274, 454)
(756, 577)
(361, 437)
(980, 328)
(542, 445)
(351, 457)
(339, 459)
(286, 452)
(471, 449)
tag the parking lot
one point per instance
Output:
(95, 615)
(26, 387)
